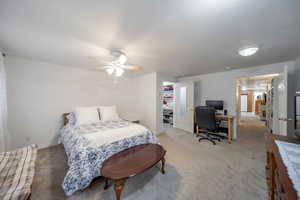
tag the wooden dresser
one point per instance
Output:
(280, 186)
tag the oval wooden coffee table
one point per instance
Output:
(130, 162)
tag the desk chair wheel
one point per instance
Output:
(209, 139)
(218, 136)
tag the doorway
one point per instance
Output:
(261, 99)
(178, 105)
(168, 105)
(252, 99)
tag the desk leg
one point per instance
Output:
(229, 131)
(119, 185)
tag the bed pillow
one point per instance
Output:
(108, 113)
(86, 115)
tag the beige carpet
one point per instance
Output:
(249, 117)
(194, 171)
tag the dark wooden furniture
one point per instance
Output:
(280, 185)
(130, 162)
(65, 119)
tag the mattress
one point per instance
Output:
(88, 146)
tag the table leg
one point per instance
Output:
(163, 160)
(106, 184)
(119, 185)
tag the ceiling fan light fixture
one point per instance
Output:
(122, 59)
(110, 70)
(119, 71)
(248, 50)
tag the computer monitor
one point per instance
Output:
(218, 105)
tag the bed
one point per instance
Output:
(88, 145)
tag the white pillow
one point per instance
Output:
(108, 113)
(85, 115)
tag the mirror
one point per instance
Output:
(183, 101)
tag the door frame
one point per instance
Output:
(238, 91)
(189, 107)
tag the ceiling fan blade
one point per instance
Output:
(102, 68)
(132, 67)
(106, 62)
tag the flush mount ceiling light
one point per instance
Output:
(248, 50)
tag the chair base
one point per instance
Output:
(209, 138)
(218, 136)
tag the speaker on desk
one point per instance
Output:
(225, 112)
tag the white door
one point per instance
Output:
(280, 119)
(244, 102)
(184, 106)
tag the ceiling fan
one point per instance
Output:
(118, 67)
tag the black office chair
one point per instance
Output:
(205, 118)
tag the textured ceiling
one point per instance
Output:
(177, 37)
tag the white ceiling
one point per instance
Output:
(178, 37)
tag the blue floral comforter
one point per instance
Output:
(85, 160)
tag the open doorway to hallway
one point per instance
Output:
(253, 98)
(262, 100)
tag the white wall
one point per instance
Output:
(147, 102)
(221, 86)
(148, 99)
(2, 78)
(39, 93)
(4, 137)
(144, 103)
(297, 75)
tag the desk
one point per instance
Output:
(229, 120)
